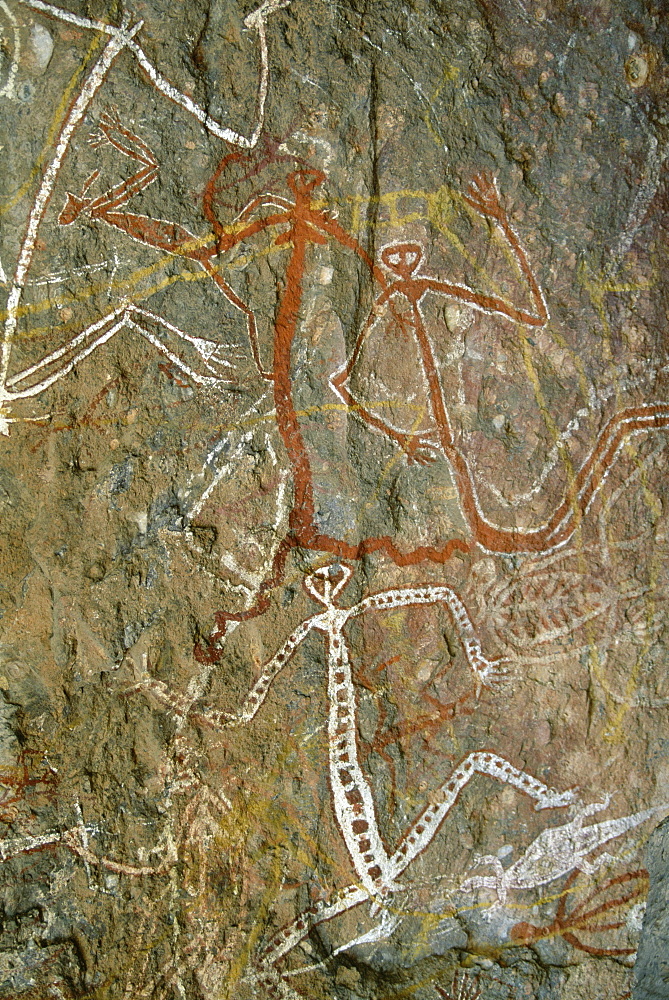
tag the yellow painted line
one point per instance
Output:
(449, 74)
(56, 124)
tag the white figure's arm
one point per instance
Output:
(256, 20)
(181, 706)
(486, 671)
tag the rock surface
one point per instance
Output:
(333, 478)
(651, 971)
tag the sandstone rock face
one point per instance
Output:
(333, 478)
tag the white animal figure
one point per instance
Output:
(558, 851)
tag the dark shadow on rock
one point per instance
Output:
(651, 972)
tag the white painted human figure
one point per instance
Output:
(557, 851)
(377, 868)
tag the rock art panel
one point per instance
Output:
(334, 413)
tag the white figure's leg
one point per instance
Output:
(422, 831)
(290, 936)
(60, 362)
(36, 378)
(210, 373)
(382, 930)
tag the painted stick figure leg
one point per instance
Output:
(265, 972)
(205, 368)
(417, 839)
(34, 379)
(235, 300)
(423, 830)
(290, 936)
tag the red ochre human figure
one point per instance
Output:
(403, 260)
(308, 225)
(302, 225)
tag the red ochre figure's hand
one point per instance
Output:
(482, 195)
(420, 450)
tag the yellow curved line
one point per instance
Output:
(55, 126)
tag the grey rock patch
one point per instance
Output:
(651, 971)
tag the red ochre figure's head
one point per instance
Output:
(402, 258)
(303, 182)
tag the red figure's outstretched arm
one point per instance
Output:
(113, 132)
(483, 196)
(229, 240)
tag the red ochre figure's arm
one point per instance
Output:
(121, 138)
(483, 196)
(229, 240)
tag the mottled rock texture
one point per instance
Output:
(651, 973)
(333, 482)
